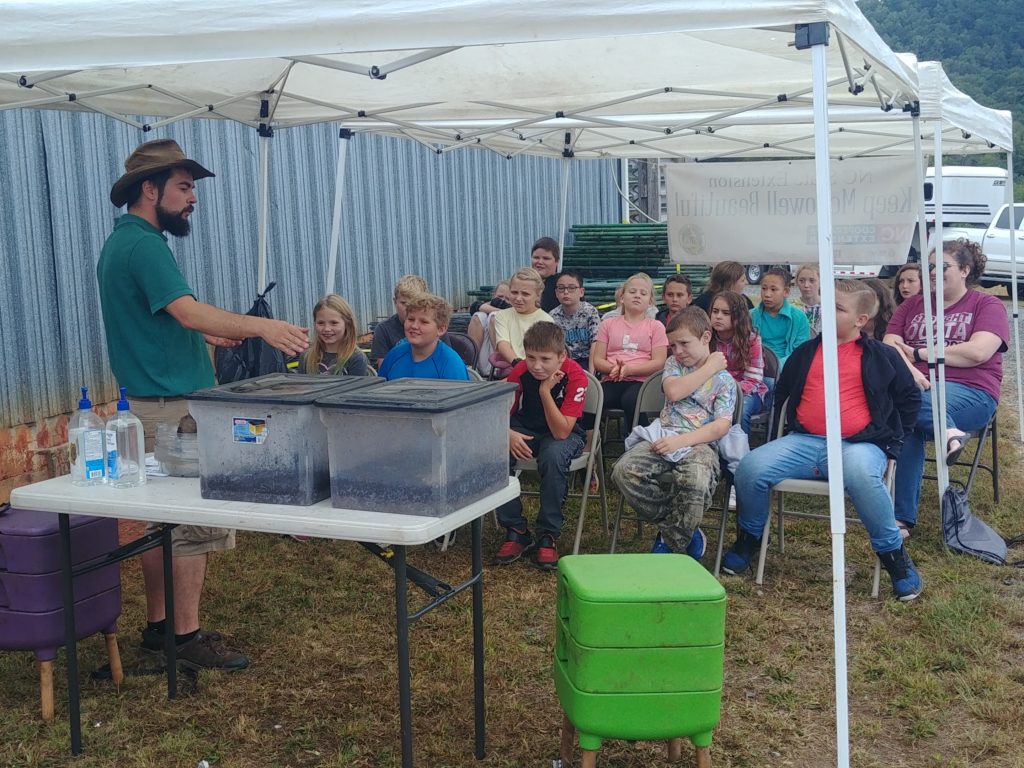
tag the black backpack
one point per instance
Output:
(254, 357)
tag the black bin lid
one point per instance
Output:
(284, 388)
(418, 396)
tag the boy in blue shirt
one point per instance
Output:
(422, 354)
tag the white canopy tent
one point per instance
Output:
(575, 79)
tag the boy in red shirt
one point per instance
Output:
(544, 425)
(880, 402)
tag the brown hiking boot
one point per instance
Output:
(204, 652)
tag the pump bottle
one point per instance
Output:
(127, 459)
(87, 444)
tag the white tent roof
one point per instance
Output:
(659, 78)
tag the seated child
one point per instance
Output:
(422, 354)
(670, 469)
(733, 336)
(480, 328)
(510, 324)
(782, 326)
(907, 282)
(333, 350)
(809, 285)
(629, 347)
(576, 317)
(388, 333)
(544, 425)
(676, 293)
(880, 403)
(544, 257)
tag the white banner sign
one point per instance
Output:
(765, 212)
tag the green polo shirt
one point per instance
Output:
(150, 352)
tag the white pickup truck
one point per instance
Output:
(995, 244)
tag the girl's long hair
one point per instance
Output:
(348, 338)
(742, 328)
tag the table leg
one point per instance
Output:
(402, 627)
(170, 648)
(68, 590)
(478, 641)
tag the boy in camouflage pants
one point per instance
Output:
(670, 470)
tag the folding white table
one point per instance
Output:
(176, 501)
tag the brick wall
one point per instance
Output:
(33, 452)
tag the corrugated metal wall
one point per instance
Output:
(460, 219)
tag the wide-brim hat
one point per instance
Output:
(149, 158)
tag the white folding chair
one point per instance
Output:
(587, 461)
(813, 488)
(726, 486)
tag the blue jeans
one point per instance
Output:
(752, 405)
(967, 409)
(553, 460)
(804, 457)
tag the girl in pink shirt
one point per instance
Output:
(629, 347)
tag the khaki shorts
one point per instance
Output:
(185, 539)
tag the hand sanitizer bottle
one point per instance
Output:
(128, 461)
(87, 444)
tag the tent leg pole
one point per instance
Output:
(564, 211)
(344, 136)
(1015, 314)
(939, 391)
(265, 133)
(818, 40)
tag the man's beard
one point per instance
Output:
(172, 222)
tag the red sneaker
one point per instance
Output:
(546, 556)
(516, 544)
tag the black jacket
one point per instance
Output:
(893, 398)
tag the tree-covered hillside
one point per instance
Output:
(980, 45)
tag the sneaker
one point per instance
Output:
(732, 497)
(153, 641)
(906, 581)
(443, 542)
(546, 556)
(203, 652)
(660, 547)
(516, 544)
(738, 558)
(698, 544)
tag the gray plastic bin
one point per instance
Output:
(418, 446)
(261, 439)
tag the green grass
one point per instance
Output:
(938, 682)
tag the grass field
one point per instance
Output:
(938, 682)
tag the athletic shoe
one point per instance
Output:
(516, 544)
(739, 556)
(906, 581)
(697, 545)
(660, 547)
(153, 641)
(203, 652)
(546, 556)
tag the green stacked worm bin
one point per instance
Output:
(639, 647)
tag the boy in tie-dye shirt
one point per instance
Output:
(670, 479)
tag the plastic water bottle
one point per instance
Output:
(87, 444)
(127, 467)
